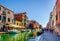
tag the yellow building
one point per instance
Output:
(22, 17)
(18, 23)
(16, 26)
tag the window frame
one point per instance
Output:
(0, 8)
(0, 17)
(4, 19)
(8, 12)
(56, 17)
(8, 19)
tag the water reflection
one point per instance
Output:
(6, 37)
(22, 36)
(13, 37)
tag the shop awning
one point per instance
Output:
(15, 26)
(1, 25)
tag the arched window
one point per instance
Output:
(8, 19)
(4, 19)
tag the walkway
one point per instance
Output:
(48, 36)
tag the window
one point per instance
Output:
(25, 16)
(0, 17)
(17, 23)
(4, 19)
(8, 12)
(8, 19)
(4, 12)
(24, 24)
(24, 19)
(56, 17)
(0, 8)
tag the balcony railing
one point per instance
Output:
(4, 12)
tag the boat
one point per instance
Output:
(13, 31)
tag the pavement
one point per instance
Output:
(49, 36)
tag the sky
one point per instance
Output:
(38, 10)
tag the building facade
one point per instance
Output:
(22, 17)
(6, 15)
(33, 24)
(18, 23)
(55, 18)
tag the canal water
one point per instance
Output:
(17, 37)
(22, 36)
(37, 38)
(14, 37)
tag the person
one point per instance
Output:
(4, 28)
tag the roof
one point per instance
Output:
(18, 17)
(6, 8)
(22, 13)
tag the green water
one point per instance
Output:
(14, 37)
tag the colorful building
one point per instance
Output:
(18, 23)
(22, 17)
(48, 25)
(6, 15)
(55, 18)
(33, 24)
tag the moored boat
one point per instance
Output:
(13, 31)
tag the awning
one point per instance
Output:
(15, 26)
(1, 25)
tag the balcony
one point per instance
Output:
(4, 13)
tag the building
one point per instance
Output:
(55, 17)
(22, 17)
(6, 15)
(52, 19)
(33, 24)
(18, 23)
(48, 25)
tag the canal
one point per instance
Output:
(14, 37)
(22, 36)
